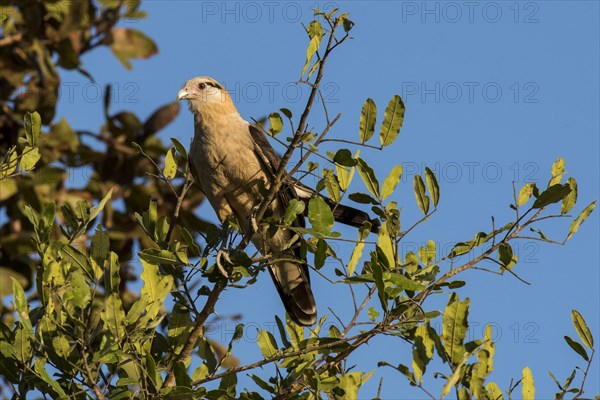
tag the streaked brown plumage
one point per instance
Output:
(228, 158)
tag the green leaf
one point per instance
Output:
(8, 188)
(113, 316)
(100, 246)
(79, 292)
(378, 278)
(267, 344)
(405, 283)
(294, 208)
(315, 32)
(156, 256)
(193, 248)
(578, 348)
(296, 332)
(390, 182)
(362, 198)
(432, 184)
(320, 253)
(130, 43)
(357, 252)
(528, 389)
(494, 391)
(368, 176)
(170, 168)
(275, 124)
(427, 253)
(372, 313)
(320, 215)
(558, 169)
(484, 366)
(569, 201)
(582, 329)
(525, 193)
(422, 351)
(112, 275)
(96, 210)
(180, 148)
(39, 366)
(30, 157)
(78, 260)
(8, 163)
(505, 254)
(368, 116)
(553, 194)
(156, 288)
(331, 185)
(455, 327)
(392, 121)
(422, 198)
(33, 127)
(452, 380)
(580, 219)
(179, 327)
(344, 157)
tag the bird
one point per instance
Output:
(230, 160)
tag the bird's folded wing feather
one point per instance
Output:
(271, 160)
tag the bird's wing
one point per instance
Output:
(291, 279)
(271, 160)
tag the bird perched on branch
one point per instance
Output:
(228, 159)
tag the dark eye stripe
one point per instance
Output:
(215, 85)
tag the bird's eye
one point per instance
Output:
(202, 86)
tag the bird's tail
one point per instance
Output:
(293, 284)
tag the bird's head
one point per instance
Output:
(206, 95)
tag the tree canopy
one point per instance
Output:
(76, 323)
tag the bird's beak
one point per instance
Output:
(182, 95)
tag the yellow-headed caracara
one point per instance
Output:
(228, 158)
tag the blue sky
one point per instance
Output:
(494, 93)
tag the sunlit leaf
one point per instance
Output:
(294, 208)
(422, 198)
(357, 252)
(455, 327)
(580, 219)
(558, 169)
(170, 168)
(368, 176)
(320, 215)
(267, 344)
(392, 121)
(582, 329)
(275, 124)
(528, 389)
(130, 43)
(432, 185)
(368, 116)
(569, 201)
(390, 182)
(33, 127)
(525, 193)
(29, 158)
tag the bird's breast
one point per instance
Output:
(227, 169)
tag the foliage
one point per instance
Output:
(73, 167)
(81, 333)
